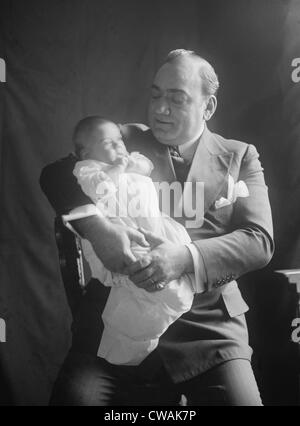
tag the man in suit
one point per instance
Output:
(205, 354)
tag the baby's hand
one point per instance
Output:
(131, 164)
(140, 165)
(122, 161)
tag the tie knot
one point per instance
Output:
(174, 151)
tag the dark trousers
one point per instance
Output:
(85, 380)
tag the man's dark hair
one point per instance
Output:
(83, 131)
(208, 75)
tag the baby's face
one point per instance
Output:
(106, 144)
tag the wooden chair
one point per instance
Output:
(71, 263)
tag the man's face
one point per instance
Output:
(177, 104)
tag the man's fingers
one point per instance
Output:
(129, 258)
(138, 266)
(144, 275)
(138, 237)
(151, 285)
(153, 239)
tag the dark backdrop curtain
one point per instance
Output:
(70, 58)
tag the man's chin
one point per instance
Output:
(163, 138)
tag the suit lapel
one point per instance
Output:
(164, 168)
(144, 142)
(159, 154)
(211, 166)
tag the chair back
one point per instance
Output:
(71, 263)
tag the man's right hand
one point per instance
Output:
(111, 242)
(113, 247)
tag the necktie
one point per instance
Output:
(180, 166)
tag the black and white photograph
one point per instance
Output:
(150, 205)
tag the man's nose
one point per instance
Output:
(162, 106)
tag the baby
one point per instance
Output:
(120, 186)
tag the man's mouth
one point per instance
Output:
(163, 122)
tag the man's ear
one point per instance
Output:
(211, 106)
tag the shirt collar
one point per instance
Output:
(187, 150)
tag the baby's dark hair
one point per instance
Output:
(83, 131)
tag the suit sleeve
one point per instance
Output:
(249, 244)
(61, 188)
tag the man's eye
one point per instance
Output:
(155, 94)
(179, 98)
